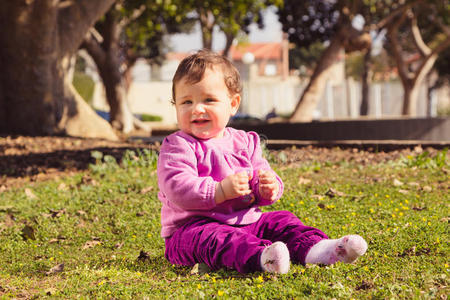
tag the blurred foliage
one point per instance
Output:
(84, 85)
(151, 118)
(305, 57)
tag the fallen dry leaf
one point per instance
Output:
(50, 291)
(397, 182)
(91, 244)
(55, 213)
(10, 220)
(30, 194)
(28, 233)
(56, 269)
(143, 256)
(333, 193)
(200, 269)
(62, 187)
(414, 184)
(427, 188)
(304, 181)
(146, 190)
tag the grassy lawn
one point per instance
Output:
(96, 234)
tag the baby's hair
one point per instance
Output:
(193, 68)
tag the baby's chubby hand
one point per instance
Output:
(233, 186)
(268, 185)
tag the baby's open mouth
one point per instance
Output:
(200, 121)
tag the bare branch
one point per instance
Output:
(445, 28)
(393, 37)
(136, 14)
(93, 48)
(398, 11)
(418, 41)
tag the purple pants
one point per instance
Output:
(218, 245)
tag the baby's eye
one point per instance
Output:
(186, 102)
(210, 100)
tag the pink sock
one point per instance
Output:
(346, 249)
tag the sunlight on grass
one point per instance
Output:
(96, 234)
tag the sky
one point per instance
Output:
(271, 33)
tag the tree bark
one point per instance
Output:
(347, 38)
(106, 55)
(364, 108)
(411, 80)
(207, 25)
(311, 95)
(38, 39)
(229, 42)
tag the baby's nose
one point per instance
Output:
(199, 108)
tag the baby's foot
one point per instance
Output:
(275, 258)
(346, 249)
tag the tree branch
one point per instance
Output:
(74, 20)
(94, 48)
(393, 37)
(418, 41)
(136, 14)
(399, 10)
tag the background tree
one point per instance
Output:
(231, 17)
(38, 39)
(425, 25)
(130, 30)
(308, 22)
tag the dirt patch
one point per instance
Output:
(29, 159)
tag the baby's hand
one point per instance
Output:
(268, 185)
(233, 186)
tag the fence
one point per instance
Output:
(337, 101)
(260, 97)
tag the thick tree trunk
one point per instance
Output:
(365, 79)
(311, 95)
(36, 49)
(348, 38)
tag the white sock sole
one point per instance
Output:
(346, 249)
(275, 258)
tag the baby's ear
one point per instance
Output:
(235, 102)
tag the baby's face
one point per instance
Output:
(204, 108)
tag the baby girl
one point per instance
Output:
(213, 180)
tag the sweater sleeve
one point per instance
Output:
(260, 163)
(178, 177)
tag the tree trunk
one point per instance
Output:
(207, 25)
(38, 39)
(107, 59)
(311, 95)
(365, 79)
(411, 84)
(229, 42)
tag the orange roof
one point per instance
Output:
(259, 50)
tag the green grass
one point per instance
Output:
(97, 223)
